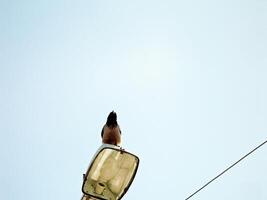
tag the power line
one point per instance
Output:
(225, 170)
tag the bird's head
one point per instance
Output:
(112, 119)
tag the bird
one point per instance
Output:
(111, 132)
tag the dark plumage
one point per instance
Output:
(111, 133)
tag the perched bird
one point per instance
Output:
(111, 133)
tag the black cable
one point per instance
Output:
(226, 170)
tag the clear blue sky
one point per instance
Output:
(187, 79)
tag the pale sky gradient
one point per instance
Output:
(188, 80)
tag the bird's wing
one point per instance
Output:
(119, 129)
(102, 132)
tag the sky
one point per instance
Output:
(186, 78)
